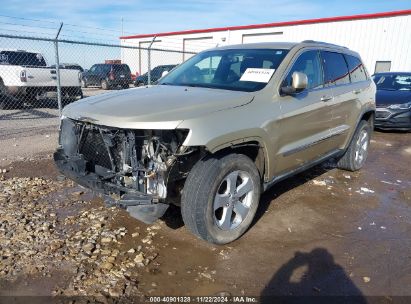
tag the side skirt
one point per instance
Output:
(302, 168)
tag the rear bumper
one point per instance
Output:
(389, 119)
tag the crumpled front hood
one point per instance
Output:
(156, 107)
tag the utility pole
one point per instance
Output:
(149, 60)
(122, 26)
(56, 51)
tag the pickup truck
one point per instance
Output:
(25, 77)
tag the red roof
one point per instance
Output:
(277, 24)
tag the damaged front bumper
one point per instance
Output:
(144, 207)
(129, 167)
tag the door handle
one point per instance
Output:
(326, 98)
(356, 91)
(29, 76)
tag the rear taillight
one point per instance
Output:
(111, 75)
(23, 76)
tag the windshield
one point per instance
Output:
(393, 82)
(235, 69)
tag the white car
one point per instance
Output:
(26, 76)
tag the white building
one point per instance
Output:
(382, 39)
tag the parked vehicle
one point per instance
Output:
(393, 100)
(25, 75)
(134, 76)
(107, 76)
(155, 75)
(219, 129)
(70, 66)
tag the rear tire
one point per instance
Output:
(104, 85)
(356, 154)
(220, 197)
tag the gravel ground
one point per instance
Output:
(323, 232)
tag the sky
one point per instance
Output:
(102, 19)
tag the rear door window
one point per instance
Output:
(104, 68)
(335, 68)
(356, 67)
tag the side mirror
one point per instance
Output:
(164, 73)
(300, 82)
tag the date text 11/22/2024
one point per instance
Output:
(200, 299)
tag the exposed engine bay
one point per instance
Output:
(136, 167)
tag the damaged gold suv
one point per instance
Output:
(220, 129)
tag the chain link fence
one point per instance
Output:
(39, 76)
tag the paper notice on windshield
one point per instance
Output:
(257, 75)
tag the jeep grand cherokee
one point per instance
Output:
(219, 129)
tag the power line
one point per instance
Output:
(31, 32)
(29, 19)
(66, 24)
(25, 25)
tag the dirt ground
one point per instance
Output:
(325, 232)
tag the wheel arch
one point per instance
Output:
(252, 147)
(368, 116)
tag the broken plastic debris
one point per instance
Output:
(347, 176)
(390, 183)
(359, 228)
(366, 190)
(383, 227)
(319, 183)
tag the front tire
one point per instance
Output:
(355, 156)
(220, 197)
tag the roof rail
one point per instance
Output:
(322, 42)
